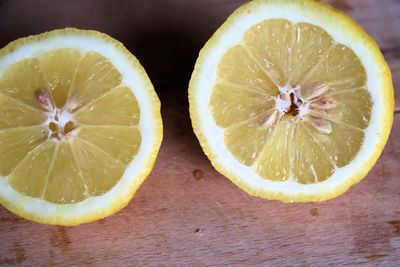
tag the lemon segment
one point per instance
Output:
(64, 184)
(353, 107)
(24, 89)
(309, 47)
(99, 169)
(106, 111)
(278, 143)
(94, 76)
(16, 143)
(269, 44)
(247, 75)
(30, 175)
(310, 163)
(120, 142)
(60, 67)
(18, 114)
(339, 69)
(246, 140)
(232, 105)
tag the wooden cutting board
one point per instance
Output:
(187, 214)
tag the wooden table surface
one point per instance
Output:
(186, 213)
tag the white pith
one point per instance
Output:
(207, 76)
(132, 77)
(282, 104)
(63, 118)
(283, 101)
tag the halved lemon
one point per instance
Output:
(80, 126)
(291, 100)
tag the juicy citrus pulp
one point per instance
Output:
(292, 98)
(290, 108)
(71, 125)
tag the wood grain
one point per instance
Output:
(187, 214)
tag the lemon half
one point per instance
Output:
(80, 126)
(291, 100)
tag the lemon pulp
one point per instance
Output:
(68, 126)
(293, 103)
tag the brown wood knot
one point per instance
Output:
(396, 226)
(314, 212)
(198, 174)
(19, 256)
(198, 231)
(376, 256)
(60, 238)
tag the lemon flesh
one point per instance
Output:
(68, 127)
(293, 103)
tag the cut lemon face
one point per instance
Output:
(291, 100)
(80, 126)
